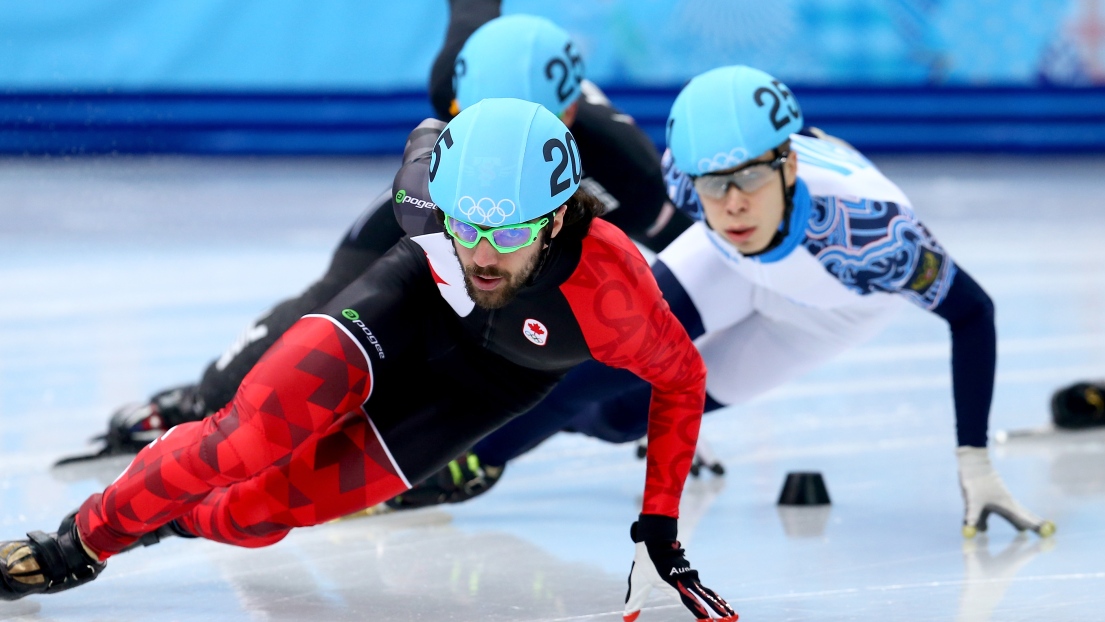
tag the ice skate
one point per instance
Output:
(46, 563)
(460, 480)
(704, 457)
(135, 425)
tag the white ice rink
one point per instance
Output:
(121, 276)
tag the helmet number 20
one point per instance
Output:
(568, 149)
(778, 95)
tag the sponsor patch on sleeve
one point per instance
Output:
(927, 271)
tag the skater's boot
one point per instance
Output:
(704, 457)
(134, 426)
(460, 480)
(46, 563)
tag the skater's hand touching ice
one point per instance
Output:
(984, 493)
(659, 563)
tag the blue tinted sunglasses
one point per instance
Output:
(505, 239)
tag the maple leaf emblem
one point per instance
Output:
(535, 331)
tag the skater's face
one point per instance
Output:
(493, 278)
(749, 218)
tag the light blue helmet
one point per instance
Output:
(502, 162)
(522, 56)
(727, 116)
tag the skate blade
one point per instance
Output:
(1006, 436)
(79, 458)
(103, 468)
(375, 510)
(1094, 435)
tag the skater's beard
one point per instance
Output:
(511, 284)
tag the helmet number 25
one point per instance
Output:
(568, 149)
(560, 66)
(778, 95)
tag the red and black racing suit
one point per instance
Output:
(396, 376)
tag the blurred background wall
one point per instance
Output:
(349, 76)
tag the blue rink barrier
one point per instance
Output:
(946, 119)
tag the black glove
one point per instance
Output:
(659, 562)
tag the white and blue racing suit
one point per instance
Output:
(854, 253)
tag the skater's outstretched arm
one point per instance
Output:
(970, 314)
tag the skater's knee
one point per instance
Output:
(250, 536)
(258, 537)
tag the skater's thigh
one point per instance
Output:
(340, 471)
(770, 348)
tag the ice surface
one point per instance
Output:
(120, 276)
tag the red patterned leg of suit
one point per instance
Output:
(287, 407)
(329, 476)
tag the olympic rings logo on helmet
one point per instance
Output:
(513, 153)
(486, 211)
(727, 116)
(722, 160)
